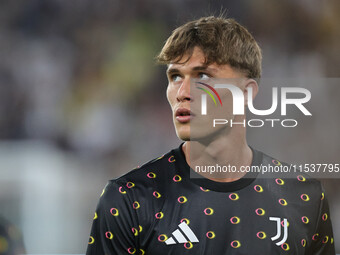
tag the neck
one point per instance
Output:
(228, 149)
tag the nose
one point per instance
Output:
(183, 93)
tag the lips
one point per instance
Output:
(183, 115)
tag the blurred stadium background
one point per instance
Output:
(82, 102)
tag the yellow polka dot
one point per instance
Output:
(235, 244)
(114, 211)
(261, 235)
(171, 159)
(156, 194)
(234, 196)
(279, 181)
(136, 205)
(258, 188)
(162, 238)
(109, 235)
(235, 220)
(185, 220)
(283, 202)
(177, 178)
(301, 178)
(131, 250)
(188, 245)
(260, 211)
(135, 231)
(121, 190)
(205, 190)
(325, 240)
(208, 211)
(211, 234)
(324, 216)
(159, 215)
(276, 162)
(182, 199)
(130, 185)
(285, 247)
(305, 197)
(305, 219)
(151, 175)
(91, 240)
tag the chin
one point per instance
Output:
(200, 135)
(184, 136)
(187, 136)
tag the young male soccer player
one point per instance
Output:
(158, 209)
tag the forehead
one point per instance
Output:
(197, 62)
(197, 58)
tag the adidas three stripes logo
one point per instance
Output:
(183, 236)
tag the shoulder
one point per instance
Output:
(149, 172)
(143, 180)
(289, 178)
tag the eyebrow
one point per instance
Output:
(172, 70)
(196, 68)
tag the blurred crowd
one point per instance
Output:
(78, 79)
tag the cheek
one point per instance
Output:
(226, 110)
(171, 95)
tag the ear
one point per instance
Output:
(250, 85)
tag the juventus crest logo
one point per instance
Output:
(278, 233)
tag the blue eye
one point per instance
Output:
(203, 76)
(176, 77)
